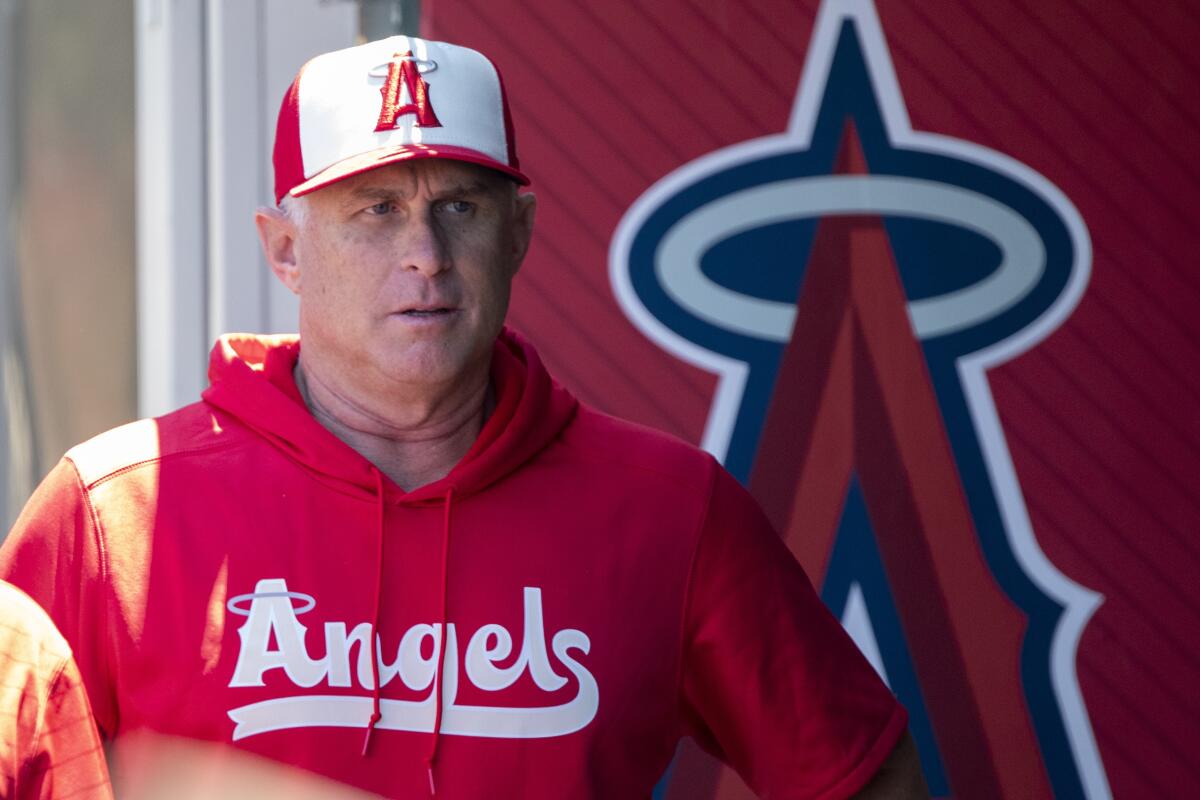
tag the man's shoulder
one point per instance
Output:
(32, 653)
(618, 443)
(27, 634)
(195, 430)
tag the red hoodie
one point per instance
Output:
(603, 589)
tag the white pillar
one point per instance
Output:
(171, 203)
(211, 74)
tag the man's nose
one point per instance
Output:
(425, 246)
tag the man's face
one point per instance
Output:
(404, 272)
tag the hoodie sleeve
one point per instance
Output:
(771, 683)
(55, 554)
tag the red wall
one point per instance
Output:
(1100, 417)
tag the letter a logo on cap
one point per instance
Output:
(404, 68)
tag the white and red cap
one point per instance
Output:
(392, 100)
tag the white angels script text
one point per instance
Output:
(271, 613)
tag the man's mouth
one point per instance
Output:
(427, 312)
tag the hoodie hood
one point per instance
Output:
(251, 377)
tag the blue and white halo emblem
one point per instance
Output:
(681, 251)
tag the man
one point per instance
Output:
(395, 553)
(48, 748)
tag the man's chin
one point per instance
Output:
(432, 362)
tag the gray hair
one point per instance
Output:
(294, 208)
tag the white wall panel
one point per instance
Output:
(171, 194)
(211, 75)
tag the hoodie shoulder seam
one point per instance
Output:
(116, 473)
(102, 557)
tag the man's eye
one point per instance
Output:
(458, 206)
(380, 208)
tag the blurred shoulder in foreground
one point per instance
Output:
(49, 746)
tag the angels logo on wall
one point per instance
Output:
(851, 281)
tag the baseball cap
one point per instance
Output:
(391, 100)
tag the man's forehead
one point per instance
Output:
(407, 178)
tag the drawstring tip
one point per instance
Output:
(367, 740)
(370, 729)
(432, 788)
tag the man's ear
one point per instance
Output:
(524, 210)
(277, 232)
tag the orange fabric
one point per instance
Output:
(50, 747)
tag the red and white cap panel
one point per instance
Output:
(395, 99)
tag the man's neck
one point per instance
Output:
(414, 440)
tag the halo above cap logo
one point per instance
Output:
(424, 66)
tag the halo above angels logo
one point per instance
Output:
(850, 281)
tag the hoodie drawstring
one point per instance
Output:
(376, 715)
(437, 674)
